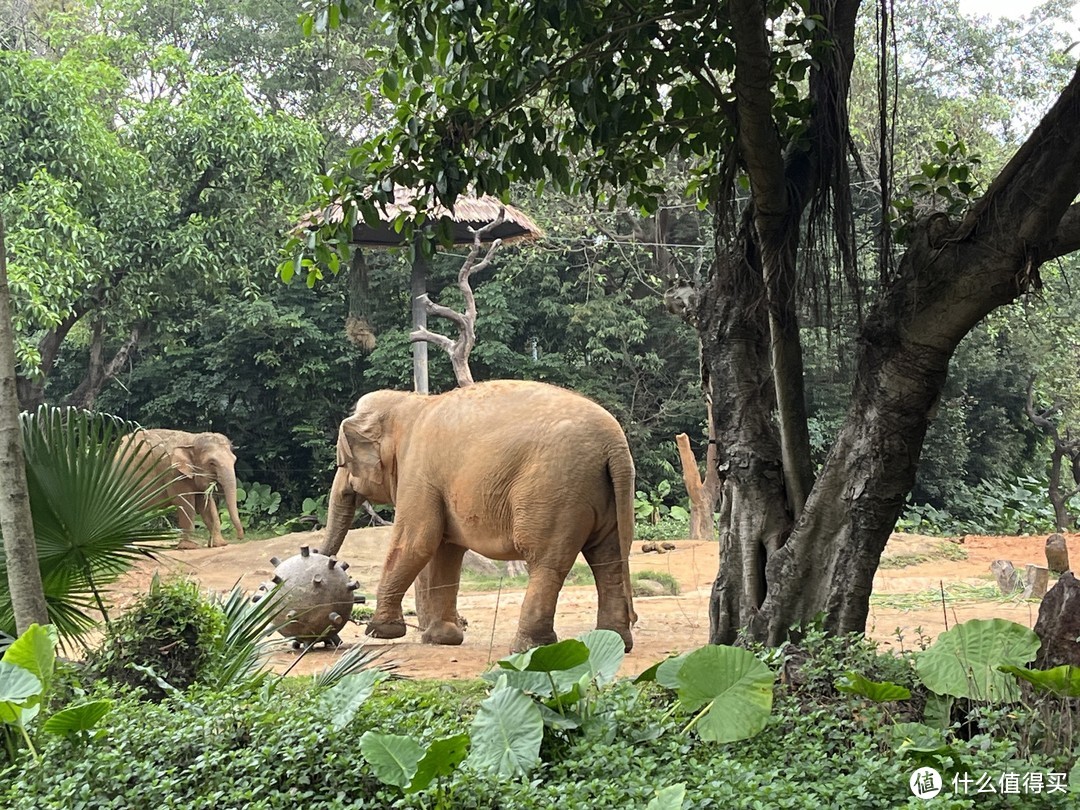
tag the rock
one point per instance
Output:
(1057, 554)
(1036, 579)
(481, 565)
(648, 587)
(1058, 625)
(515, 568)
(1007, 577)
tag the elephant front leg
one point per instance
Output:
(209, 511)
(185, 517)
(404, 561)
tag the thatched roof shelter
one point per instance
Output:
(468, 214)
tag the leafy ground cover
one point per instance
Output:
(835, 723)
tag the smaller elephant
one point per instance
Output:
(200, 462)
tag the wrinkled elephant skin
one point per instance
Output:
(197, 462)
(512, 470)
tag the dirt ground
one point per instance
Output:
(906, 597)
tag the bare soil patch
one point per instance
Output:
(906, 597)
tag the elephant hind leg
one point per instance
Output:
(436, 596)
(612, 611)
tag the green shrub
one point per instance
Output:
(669, 527)
(172, 630)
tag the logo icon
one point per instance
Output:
(925, 783)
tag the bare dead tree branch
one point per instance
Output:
(460, 349)
(1065, 448)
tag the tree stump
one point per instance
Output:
(1036, 580)
(1058, 625)
(703, 494)
(1008, 579)
(1057, 554)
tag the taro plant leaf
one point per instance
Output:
(606, 653)
(559, 722)
(648, 675)
(393, 757)
(667, 672)
(440, 759)
(670, 667)
(733, 686)
(346, 696)
(964, 661)
(18, 687)
(938, 711)
(569, 697)
(877, 691)
(35, 651)
(556, 657)
(669, 798)
(532, 683)
(918, 738)
(506, 733)
(1063, 681)
(535, 671)
(75, 719)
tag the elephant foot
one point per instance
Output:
(439, 632)
(186, 543)
(523, 642)
(385, 629)
(217, 542)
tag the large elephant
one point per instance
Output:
(512, 470)
(199, 462)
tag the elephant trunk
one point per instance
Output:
(227, 483)
(340, 513)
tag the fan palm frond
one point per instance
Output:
(95, 514)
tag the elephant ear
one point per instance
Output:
(183, 458)
(358, 450)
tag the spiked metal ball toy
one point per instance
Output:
(317, 597)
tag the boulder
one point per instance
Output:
(1057, 554)
(1058, 625)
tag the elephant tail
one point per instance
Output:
(621, 469)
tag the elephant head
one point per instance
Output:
(366, 447)
(209, 459)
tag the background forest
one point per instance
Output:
(154, 157)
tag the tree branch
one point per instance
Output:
(465, 321)
(1067, 238)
